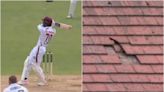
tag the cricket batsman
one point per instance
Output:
(33, 61)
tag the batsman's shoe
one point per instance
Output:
(69, 17)
(42, 84)
(23, 82)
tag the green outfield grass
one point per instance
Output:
(19, 35)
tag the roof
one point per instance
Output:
(122, 46)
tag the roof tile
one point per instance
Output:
(155, 78)
(106, 69)
(143, 69)
(134, 88)
(89, 69)
(89, 30)
(94, 50)
(97, 87)
(116, 87)
(142, 31)
(102, 40)
(149, 59)
(91, 59)
(160, 58)
(157, 68)
(124, 69)
(150, 20)
(139, 78)
(120, 39)
(133, 50)
(87, 78)
(85, 88)
(155, 3)
(152, 11)
(152, 49)
(120, 78)
(159, 20)
(109, 21)
(153, 87)
(87, 40)
(101, 78)
(146, 40)
(105, 31)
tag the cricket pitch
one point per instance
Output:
(57, 83)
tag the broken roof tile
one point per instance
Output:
(126, 36)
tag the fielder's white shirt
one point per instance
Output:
(46, 33)
(15, 88)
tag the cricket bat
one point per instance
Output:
(65, 26)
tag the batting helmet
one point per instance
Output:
(47, 21)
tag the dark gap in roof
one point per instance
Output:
(109, 3)
(147, 3)
(125, 59)
(128, 59)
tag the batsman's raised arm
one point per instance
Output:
(62, 25)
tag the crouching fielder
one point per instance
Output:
(33, 61)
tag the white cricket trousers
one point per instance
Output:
(33, 61)
(72, 8)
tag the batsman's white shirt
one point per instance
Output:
(46, 34)
(15, 88)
